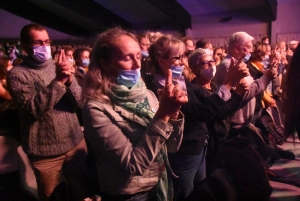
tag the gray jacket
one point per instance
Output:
(243, 116)
(127, 151)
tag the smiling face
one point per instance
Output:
(126, 55)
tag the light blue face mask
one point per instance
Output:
(85, 62)
(145, 54)
(247, 57)
(128, 77)
(176, 71)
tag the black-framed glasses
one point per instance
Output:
(219, 54)
(41, 42)
(211, 62)
(178, 57)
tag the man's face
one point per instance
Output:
(189, 45)
(245, 48)
(69, 54)
(37, 38)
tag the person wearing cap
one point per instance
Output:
(293, 45)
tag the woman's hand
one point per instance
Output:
(171, 98)
(272, 71)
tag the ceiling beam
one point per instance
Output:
(173, 9)
(272, 4)
(42, 16)
(95, 12)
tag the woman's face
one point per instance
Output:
(205, 62)
(175, 59)
(127, 55)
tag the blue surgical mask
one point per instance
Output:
(41, 53)
(145, 54)
(85, 62)
(177, 71)
(128, 77)
(247, 57)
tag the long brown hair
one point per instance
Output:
(98, 80)
(291, 96)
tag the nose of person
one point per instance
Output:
(136, 62)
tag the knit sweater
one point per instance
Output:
(49, 125)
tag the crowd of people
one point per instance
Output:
(146, 117)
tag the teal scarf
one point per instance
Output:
(134, 100)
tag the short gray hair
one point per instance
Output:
(238, 38)
(196, 55)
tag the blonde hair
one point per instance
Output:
(164, 47)
(98, 80)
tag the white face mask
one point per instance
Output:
(42, 53)
(70, 60)
(208, 73)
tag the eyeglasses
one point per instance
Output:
(211, 62)
(178, 57)
(249, 47)
(219, 54)
(41, 42)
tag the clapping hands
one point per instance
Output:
(64, 69)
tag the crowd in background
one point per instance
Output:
(146, 117)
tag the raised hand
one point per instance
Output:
(64, 69)
(171, 98)
(272, 71)
(237, 70)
